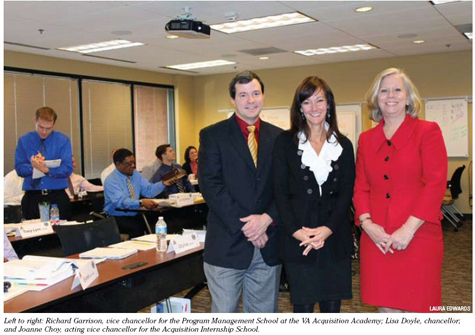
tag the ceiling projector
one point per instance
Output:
(188, 28)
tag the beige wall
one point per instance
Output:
(436, 76)
(198, 99)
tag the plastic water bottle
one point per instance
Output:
(54, 214)
(161, 232)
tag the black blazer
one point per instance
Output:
(233, 188)
(300, 204)
(187, 167)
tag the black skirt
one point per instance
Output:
(326, 280)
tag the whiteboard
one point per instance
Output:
(278, 116)
(452, 117)
(349, 122)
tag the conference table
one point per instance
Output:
(119, 289)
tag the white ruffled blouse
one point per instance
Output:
(320, 164)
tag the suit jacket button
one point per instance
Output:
(299, 152)
(309, 191)
(386, 177)
(335, 180)
(305, 178)
(303, 166)
(388, 195)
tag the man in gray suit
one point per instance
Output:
(241, 251)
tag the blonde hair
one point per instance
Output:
(412, 109)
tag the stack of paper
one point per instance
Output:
(138, 245)
(35, 273)
(13, 292)
(165, 202)
(109, 253)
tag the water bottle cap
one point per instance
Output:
(54, 205)
(160, 217)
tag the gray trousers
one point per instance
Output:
(259, 285)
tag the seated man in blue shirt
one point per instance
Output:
(33, 149)
(123, 189)
(167, 156)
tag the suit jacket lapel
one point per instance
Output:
(237, 139)
(265, 145)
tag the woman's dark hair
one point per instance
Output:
(187, 153)
(305, 90)
(243, 77)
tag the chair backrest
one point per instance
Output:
(97, 201)
(12, 214)
(455, 187)
(82, 237)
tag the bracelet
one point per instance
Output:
(363, 220)
(404, 226)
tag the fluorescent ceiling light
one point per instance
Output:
(441, 2)
(101, 46)
(469, 35)
(363, 9)
(262, 23)
(200, 65)
(333, 50)
(418, 41)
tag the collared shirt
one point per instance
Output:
(106, 172)
(12, 188)
(243, 126)
(58, 146)
(8, 251)
(164, 169)
(116, 192)
(81, 184)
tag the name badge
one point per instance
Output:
(183, 243)
(35, 229)
(86, 273)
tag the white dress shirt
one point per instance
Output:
(107, 171)
(80, 184)
(12, 188)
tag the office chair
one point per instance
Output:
(454, 189)
(97, 201)
(82, 237)
(12, 214)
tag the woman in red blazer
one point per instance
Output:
(401, 174)
(314, 174)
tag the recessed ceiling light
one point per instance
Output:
(334, 50)
(363, 9)
(102, 46)
(171, 37)
(264, 58)
(418, 41)
(200, 65)
(262, 23)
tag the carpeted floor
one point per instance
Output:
(456, 278)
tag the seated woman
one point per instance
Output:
(191, 161)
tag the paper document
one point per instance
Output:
(165, 202)
(51, 164)
(152, 238)
(200, 233)
(109, 253)
(138, 245)
(35, 273)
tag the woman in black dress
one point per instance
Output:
(314, 173)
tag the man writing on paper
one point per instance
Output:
(33, 152)
(241, 250)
